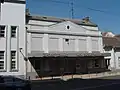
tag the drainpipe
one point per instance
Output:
(25, 56)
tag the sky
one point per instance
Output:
(105, 13)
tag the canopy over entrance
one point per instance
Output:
(66, 54)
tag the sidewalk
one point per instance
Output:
(85, 76)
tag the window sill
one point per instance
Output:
(2, 70)
(15, 70)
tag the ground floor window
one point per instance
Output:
(96, 63)
(93, 64)
(2, 66)
(13, 60)
(119, 61)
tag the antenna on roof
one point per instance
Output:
(72, 9)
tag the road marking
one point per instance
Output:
(95, 86)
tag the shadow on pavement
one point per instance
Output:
(71, 84)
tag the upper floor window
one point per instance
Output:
(13, 31)
(2, 31)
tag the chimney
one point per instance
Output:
(86, 19)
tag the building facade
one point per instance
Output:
(12, 38)
(35, 46)
(111, 45)
(59, 46)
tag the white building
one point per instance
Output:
(58, 46)
(12, 38)
(112, 45)
(53, 46)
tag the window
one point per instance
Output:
(67, 41)
(13, 31)
(13, 61)
(2, 31)
(119, 61)
(1, 60)
(96, 63)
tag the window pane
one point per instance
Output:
(13, 31)
(1, 54)
(2, 31)
(13, 27)
(13, 66)
(1, 64)
(13, 54)
(2, 27)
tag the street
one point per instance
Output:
(106, 83)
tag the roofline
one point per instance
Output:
(31, 17)
(15, 1)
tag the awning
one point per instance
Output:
(66, 54)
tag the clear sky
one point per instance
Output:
(107, 21)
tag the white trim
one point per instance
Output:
(60, 33)
(6, 47)
(17, 51)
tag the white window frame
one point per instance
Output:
(13, 59)
(14, 31)
(2, 30)
(3, 59)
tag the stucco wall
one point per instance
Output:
(13, 14)
(61, 32)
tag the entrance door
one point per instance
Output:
(69, 66)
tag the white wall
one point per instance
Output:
(13, 14)
(117, 61)
(56, 41)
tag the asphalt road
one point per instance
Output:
(106, 83)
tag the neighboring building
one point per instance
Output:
(112, 45)
(58, 46)
(1, 2)
(108, 34)
(12, 38)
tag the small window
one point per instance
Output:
(119, 61)
(13, 31)
(1, 60)
(1, 54)
(1, 65)
(13, 60)
(13, 54)
(96, 64)
(68, 27)
(2, 31)
(66, 40)
(13, 66)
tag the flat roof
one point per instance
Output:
(66, 54)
